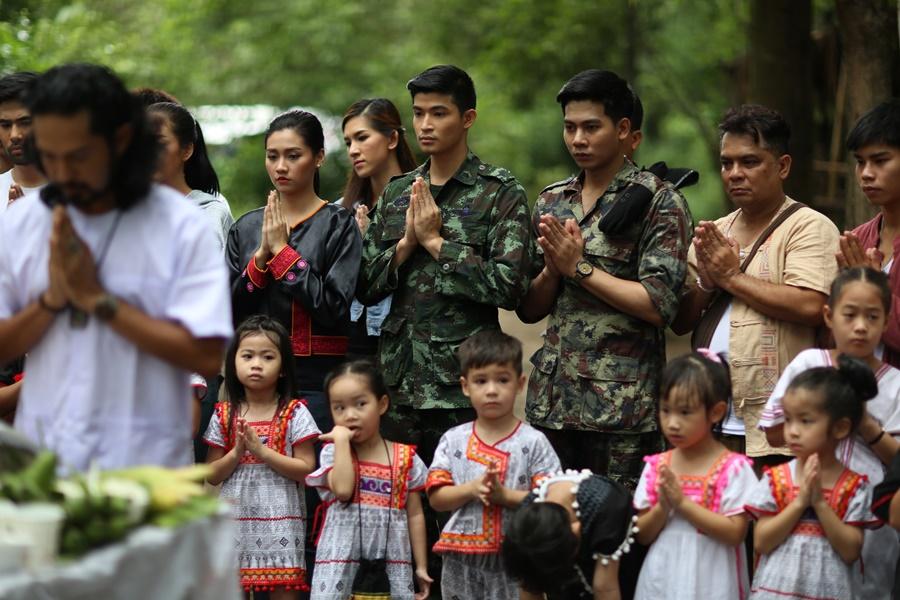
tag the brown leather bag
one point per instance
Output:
(705, 329)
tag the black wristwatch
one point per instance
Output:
(106, 308)
(583, 269)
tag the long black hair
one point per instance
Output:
(199, 173)
(73, 88)
(307, 126)
(272, 329)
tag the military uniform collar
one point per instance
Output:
(622, 178)
(465, 174)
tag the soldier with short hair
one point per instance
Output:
(451, 241)
(609, 287)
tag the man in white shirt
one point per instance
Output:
(15, 127)
(101, 277)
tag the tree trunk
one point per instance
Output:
(780, 74)
(869, 36)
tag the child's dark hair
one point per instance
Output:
(881, 125)
(445, 79)
(844, 389)
(307, 126)
(361, 368)
(199, 173)
(539, 547)
(867, 274)
(698, 372)
(490, 347)
(278, 334)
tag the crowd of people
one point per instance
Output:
(342, 363)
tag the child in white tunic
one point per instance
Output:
(690, 500)
(261, 448)
(857, 313)
(484, 468)
(370, 489)
(811, 511)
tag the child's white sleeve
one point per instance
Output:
(303, 426)
(543, 460)
(644, 497)
(761, 502)
(319, 478)
(214, 435)
(859, 511)
(417, 476)
(739, 485)
(441, 471)
(773, 412)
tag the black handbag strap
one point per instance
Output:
(705, 329)
(387, 537)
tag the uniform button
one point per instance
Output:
(481, 167)
(446, 267)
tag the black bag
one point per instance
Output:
(371, 581)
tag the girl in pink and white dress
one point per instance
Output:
(690, 500)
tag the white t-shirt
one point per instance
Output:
(731, 424)
(90, 394)
(6, 182)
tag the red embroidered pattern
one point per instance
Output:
(269, 579)
(257, 277)
(278, 427)
(401, 464)
(838, 497)
(282, 262)
(488, 541)
(438, 478)
(304, 343)
(706, 490)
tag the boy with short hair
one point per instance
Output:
(875, 143)
(482, 468)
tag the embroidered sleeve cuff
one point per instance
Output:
(438, 478)
(257, 277)
(282, 262)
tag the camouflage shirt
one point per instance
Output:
(599, 368)
(483, 264)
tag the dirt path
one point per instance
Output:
(530, 336)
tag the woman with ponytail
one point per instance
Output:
(296, 259)
(185, 166)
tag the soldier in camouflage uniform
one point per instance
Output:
(451, 241)
(609, 293)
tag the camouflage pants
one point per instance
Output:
(422, 427)
(618, 456)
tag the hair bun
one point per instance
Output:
(858, 376)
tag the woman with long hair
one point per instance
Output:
(378, 151)
(296, 260)
(185, 166)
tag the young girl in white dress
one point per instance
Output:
(811, 511)
(261, 449)
(370, 489)
(690, 500)
(857, 314)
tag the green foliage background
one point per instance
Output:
(680, 55)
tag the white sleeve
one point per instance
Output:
(302, 427)
(199, 297)
(641, 499)
(8, 303)
(773, 413)
(738, 487)
(319, 478)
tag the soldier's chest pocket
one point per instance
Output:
(465, 227)
(616, 256)
(394, 224)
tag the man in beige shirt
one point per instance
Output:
(776, 303)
